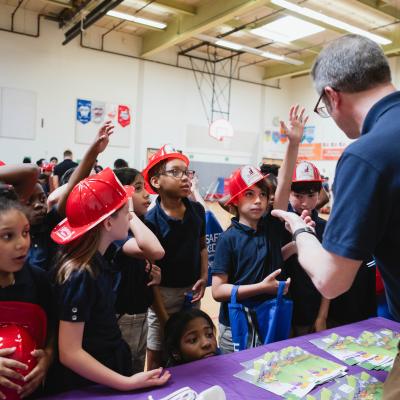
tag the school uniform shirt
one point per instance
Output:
(306, 298)
(43, 249)
(366, 215)
(91, 299)
(31, 285)
(247, 256)
(133, 295)
(180, 239)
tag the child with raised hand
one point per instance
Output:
(29, 286)
(43, 249)
(248, 254)
(189, 335)
(179, 225)
(91, 348)
(138, 276)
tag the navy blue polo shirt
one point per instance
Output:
(88, 298)
(306, 298)
(133, 296)
(181, 265)
(366, 214)
(43, 249)
(247, 256)
(31, 285)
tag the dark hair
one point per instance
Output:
(53, 158)
(10, 203)
(157, 170)
(272, 183)
(27, 160)
(269, 169)
(40, 162)
(263, 185)
(120, 163)
(67, 153)
(175, 327)
(66, 176)
(306, 187)
(8, 192)
(126, 175)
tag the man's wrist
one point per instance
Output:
(303, 229)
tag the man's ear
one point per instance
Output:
(333, 97)
(154, 180)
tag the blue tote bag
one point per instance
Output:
(262, 323)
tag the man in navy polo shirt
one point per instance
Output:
(353, 78)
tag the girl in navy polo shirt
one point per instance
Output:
(249, 254)
(27, 285)
(91, 348)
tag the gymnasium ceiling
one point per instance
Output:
(193, 26)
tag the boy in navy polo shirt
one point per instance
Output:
(249, 253)
(311, 311)
(179, 225)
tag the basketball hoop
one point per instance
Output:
(220, 129)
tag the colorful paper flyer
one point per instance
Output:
(290, 371)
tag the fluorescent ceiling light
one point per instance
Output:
(273, 56)
(330, 21)
(229, 45)
(247, 49)
(137, 20)
(287, 29)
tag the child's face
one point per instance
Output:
(119, 223)
(253, 203)
(14, 240)
(198, 340)
(36, 204)
(140, 198)
(170, 182)
(303, 201)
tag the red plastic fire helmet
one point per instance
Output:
(166, 152)
(91, 201)
(23, 326)
(242, 179)
(48, 167)
(2, 163)
(306, 172)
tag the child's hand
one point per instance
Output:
(155, 273)
(102, 137)
(37, 375)
(306, 217)
(199, 289)
(289, 250)
(270, 284)
(297, 123)
(7, 371)
(155, 377)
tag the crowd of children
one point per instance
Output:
(120, 281)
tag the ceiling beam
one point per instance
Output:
(175, 7)
(283, 70)
(280, 70)
(183, 27)
(382, 7)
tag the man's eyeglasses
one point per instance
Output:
(178, 173)
(320, 108)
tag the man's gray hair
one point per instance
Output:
(351, 63)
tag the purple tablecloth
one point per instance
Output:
(219, 370)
